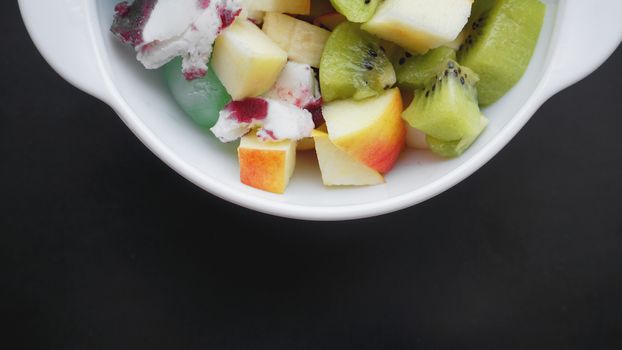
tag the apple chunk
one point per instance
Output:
(303, 42)
(246, 61)
(341, 169)
(267, 166)
(419, 25)
(370, 130)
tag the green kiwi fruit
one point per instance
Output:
(447, 108)
(481, 6)
(413, 72)
(500, 39)
(452, 149)
(358, 11)
(354, 65)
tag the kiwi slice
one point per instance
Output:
(413, 72)
(447, 108)
(452, 149)
(358, 11)
(354, 65)
(501, 37)
(480, 7)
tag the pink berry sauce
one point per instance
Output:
(248, 110)
(265, 133)
(227, 16)
(315, 108)
(122, 8)
(130, 20)
(194, 73)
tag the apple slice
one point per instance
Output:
(329, 21)
(246, 61)
(267, 166)
(419, 25)
(370, 130)
(303, 42)
(341, 169)
(295, 7)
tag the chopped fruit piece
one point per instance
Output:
(499, 44)
(353, 65)
(267, 166)
(413, 72)
(278, 120)
(201, 99)
(246, 61)
(451, 149)
(296, 85)
(303, 42)
(419, 25)
(416, 139)
(341, 169)
(447, 109)
(294, 7)
(330, 21)
(357, 11)
(370, 130)
(163, 30)
(479, 7)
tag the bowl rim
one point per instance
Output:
(307, 212)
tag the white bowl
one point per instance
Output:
(73, 36)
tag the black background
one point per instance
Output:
(104, 247)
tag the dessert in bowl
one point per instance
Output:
(96, 62)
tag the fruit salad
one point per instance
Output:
(354, 81)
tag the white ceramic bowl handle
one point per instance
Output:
(587, 33)
(61, 32)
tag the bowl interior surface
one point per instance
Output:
(146, 95)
